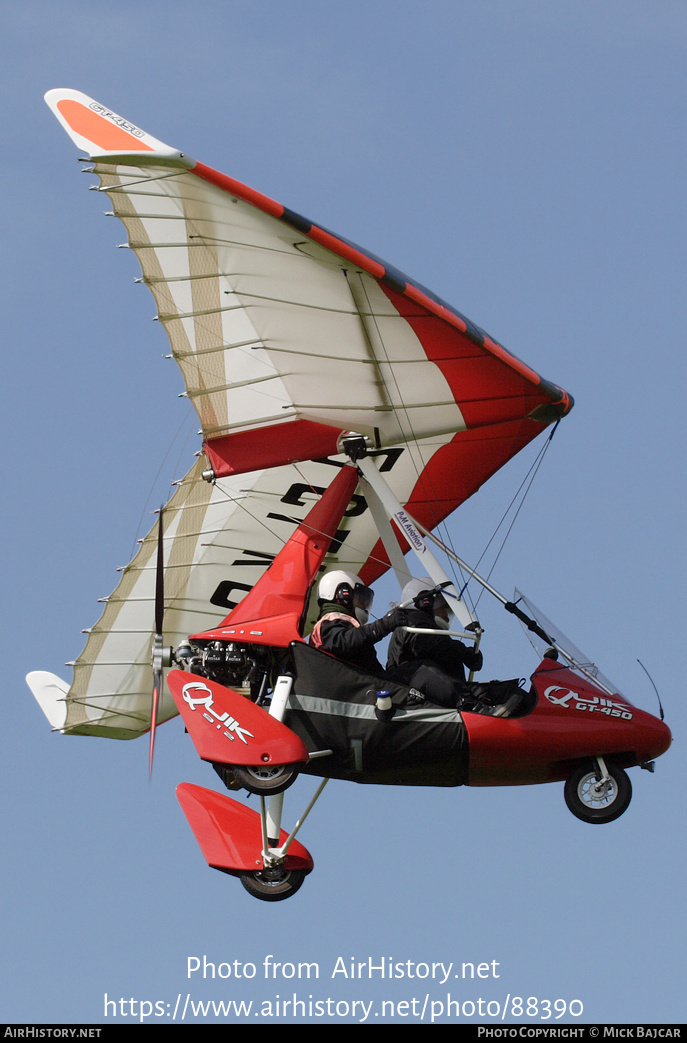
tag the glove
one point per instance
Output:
(398, 617)
(474, 659)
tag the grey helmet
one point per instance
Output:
(426, 597)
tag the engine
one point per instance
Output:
(227, 663)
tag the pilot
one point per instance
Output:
(342, 627)
(432, 663)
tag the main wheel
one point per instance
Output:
(266, 779)
(274, 883)
(595, 801)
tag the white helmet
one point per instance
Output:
(348, 590)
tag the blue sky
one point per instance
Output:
(526, 161)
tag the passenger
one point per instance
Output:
(432, 663)
(343, 628)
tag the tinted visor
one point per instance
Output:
(441, 607)
(363, 597)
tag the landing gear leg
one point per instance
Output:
(270, 779)
(273, 819)
(275, 882)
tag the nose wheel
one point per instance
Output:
(598, 792)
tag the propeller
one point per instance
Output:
(157, 642)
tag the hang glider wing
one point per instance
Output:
(288, 337)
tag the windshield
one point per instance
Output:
(574, 658)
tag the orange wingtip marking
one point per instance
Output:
(98, 130)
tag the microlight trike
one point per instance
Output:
(318, 373)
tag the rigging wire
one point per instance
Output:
(531, 474)
(149, 498)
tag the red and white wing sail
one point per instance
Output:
(288, 337)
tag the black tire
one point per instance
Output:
(596, 803)
(266, 780)
(273, 884)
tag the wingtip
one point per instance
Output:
(103, 134)
(50, 693)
